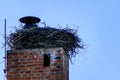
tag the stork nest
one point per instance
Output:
(45, 37)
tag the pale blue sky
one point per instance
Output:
(99, 27)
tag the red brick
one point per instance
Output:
(28, 67)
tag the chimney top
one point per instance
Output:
(29, 20)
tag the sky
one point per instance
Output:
(99, 28)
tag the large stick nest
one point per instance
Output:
(45, 37)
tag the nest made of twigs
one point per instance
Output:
(45, 37)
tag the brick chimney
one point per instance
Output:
(37, 64)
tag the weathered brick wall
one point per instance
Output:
(29, 64)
